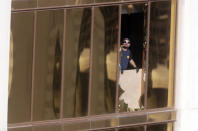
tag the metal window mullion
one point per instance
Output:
(91, 61)
(118, 58)
(33, 64)
(145, 127)
(63, 63)
(147, 53)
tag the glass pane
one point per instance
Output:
(158, 83)
(76, 126)
(48, 63)
(47, 3)
(132, 129)
(137, 119)
(20, 76)
(23, 4)
(78, 2)
(104, 60)
(105, 1)
(104, 123)
(133, 34)
(106, 130)
(21, 129)
(160, 127)
(47, 128)
(77, 52)
(161, 116)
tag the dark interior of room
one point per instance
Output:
(132, 27)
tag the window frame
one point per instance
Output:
(114, 117)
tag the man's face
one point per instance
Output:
(126, 44)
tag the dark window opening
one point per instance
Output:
(132, 27)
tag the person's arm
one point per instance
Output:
(133, 63)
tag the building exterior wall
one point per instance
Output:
(186, 64)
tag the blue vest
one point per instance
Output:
(126, 56)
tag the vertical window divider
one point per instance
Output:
(145, 127)
(33, 66)
(147, 52)
(63, 63)
(90, 61)
(118, 59)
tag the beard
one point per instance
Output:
(125, 47)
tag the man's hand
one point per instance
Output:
(137, 70)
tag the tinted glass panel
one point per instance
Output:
(76, 67)
(132, 120)
(76, 126)
(21, 129)
(47, 128)
(106, 130)
(104, 60)
(101, 123)
(105, 1)
(162, 116)
(133, 34)
(158, 83)
(48, 63)
(22, 4)
(160, 127)
(47, 3)
(132, 129)
(20, 77)
(78, 2)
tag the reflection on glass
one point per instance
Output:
(23, 4)
(20, 73)
(133, 119)
(47, 3)
(76, 126)
(106, 130)
(48, 55)
(104, 60)
(107, 123)
(132, 129)
(105, 1)
(161, 116)
(131, 85)
(47, 128)
(21, 129)
(76, 67)
(159, 55)
(78, 2)
(160, 127)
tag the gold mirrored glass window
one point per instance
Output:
(76, 59)
(159, 84)
(20, 75)
(23, 4)
(160, 127)
(53, 3)
(141, 128)
(104, 61)
(21, 129)
(92, 65)
(47, 128)
(48, 64)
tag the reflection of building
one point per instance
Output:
(185, 75)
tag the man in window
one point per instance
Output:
(129, 81)
(126, 56)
